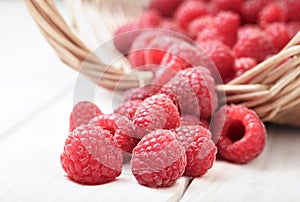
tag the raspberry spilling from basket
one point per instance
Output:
(163, 144)
(176, 126)
(224, 30)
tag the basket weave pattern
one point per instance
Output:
(271, 88)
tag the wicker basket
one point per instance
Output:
(273, 93)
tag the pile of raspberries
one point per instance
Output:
(176, 126)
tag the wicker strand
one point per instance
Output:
(72, 51)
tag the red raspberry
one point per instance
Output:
(125, 35)
(119, 126)
(188, 11)
(200, 149)
(112, 122)
(179, 56)
(171, 25)
(190, 120)
(90, 156)
(231, 5)
(125, 142)
(193, 90)
(139, 93)
(192, 55)
(293, 28)
(199, 24)
(241, 65)
(128, 108)
(279, 34)
(156, 112)
(243, 136)
(227, 24)
(251, 8)
(212, 8)
(188, 133)
(82, 114)
(158, 47)
(293, 8)
(271, 13)
(170, 65)
(253, 42)
(165, 7)
(144, 52)
(137, 50)
(210, 33)
(159, 159)
(222, 57)
(150, 19)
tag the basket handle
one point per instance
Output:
(73, 52)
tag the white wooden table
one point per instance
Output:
(36, 99)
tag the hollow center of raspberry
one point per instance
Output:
(236, 130)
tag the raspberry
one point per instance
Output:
(200, 149)
(210, 33)
(223, 27)
(204, 123)
(125, 35)
(293, 28)
(157, 48)
(170, 65)
(137, 49)
(199, 24)
(82, 114)
(128, 108)
(112, 122)
(172, 26)
(90, 156)
(271, 13)
(279, 35)
(156, 112)
(251, 8)
(188, 11)
(159, 159)
(150, 19)
(293, 8)
(188, 133)
(222, 57)
(212, 8)
(190, 120)
(139, 93)
(243, 136)
(253, 42)
(179, 56)
(232, 5)
(227, 24)
(189, 53)
(119, 126)
(193, 90)
(125, 142)
(241, 65)
(165, 7)
(168, 71)
(143, 51)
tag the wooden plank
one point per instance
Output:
(273, 176)
(31, 74)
